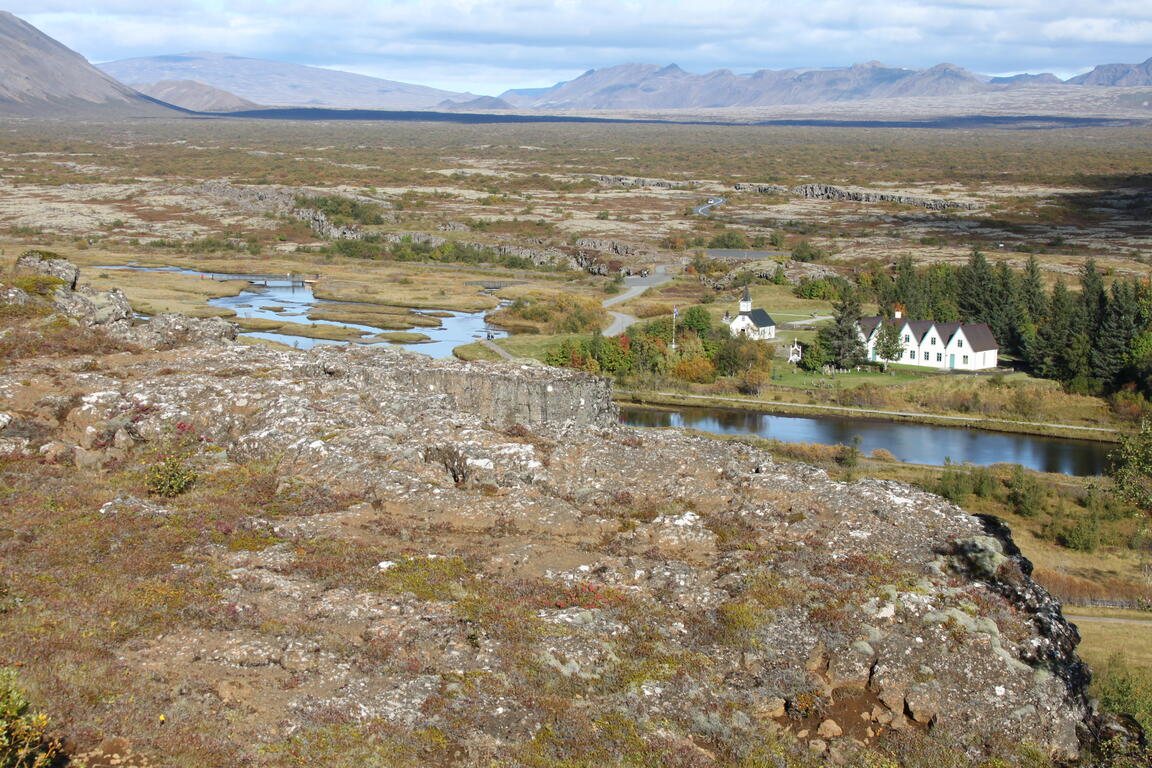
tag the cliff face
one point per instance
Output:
(493, 559)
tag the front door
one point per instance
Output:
(951, 361)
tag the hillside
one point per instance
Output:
(369, 557)
(41, 77)
(278, 83)
(196, 96)
(1117, 75)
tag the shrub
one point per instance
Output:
(343, 210)
(983, 482)
(698, 370)
(1083, 535)
(169, 477)
(37, 285)
(729, 239)
(1132, 467)
(1025, 493)
(805, 251)
(23, 739)
(1123, 689)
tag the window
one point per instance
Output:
(932, 341)
(939, 357)
(911, 354)
(925, 355)
(965, 359)
(959, 342)
(907, 338)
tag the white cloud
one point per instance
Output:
(494, 44)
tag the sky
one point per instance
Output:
(488, 46)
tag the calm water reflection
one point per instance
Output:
(908, 442)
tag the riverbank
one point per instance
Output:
(1040, 429)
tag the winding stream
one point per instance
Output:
(290, 302)
(287, 301)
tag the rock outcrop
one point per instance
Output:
(639, 181)
(831, 192)
(484, 554)
(794, 271)
(110, 312)
(42, 263)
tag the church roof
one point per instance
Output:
(759, 318)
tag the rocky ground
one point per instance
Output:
(367, 556)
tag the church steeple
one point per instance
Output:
(746, 302)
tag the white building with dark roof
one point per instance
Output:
(753, 323)
(948, 346)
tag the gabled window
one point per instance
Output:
(907, 338)
(959, 342)
(932, 341)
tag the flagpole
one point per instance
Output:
(675, 314)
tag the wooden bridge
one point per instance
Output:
(294, 279)
(493, 285)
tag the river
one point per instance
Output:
(289, 301)
(907, 442)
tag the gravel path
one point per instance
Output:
(634, 287)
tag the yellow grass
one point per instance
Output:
(1101, 639)
(377, 316)
(315, 331)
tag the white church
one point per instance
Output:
(753, 323)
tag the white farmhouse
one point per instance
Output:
(753, 323)
(949, 346)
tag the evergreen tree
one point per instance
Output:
(908, 289)
(939, 285)
(1031, 291)
(1055, 334)
(842, 340)
(999, 315)
(1093, 299)
(1111, 354)
(976, 290)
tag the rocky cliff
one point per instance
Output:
(832, 192)
(474, 563)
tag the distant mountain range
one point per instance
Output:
(1116, 74)
(647, 86)
(39, 76)
(279, 83)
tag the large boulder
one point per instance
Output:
(45, 263)
(173, 330)
(94, 308)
